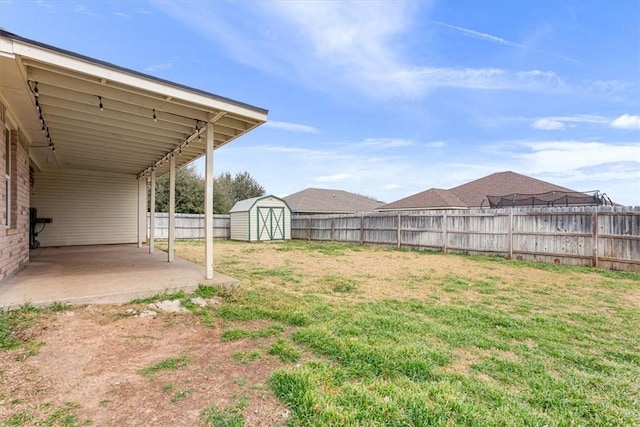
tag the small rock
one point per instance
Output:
(147, 313)
(131, 311)
(69, 313)
(200, 301)
(215, 301)
(169, 306)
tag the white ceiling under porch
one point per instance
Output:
(81, 113)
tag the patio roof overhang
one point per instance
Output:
(81, 113)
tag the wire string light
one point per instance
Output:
(33, 86)
(43, 124)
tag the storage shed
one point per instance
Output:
(263, 218)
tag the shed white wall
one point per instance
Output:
(87, 207)
(239, 226)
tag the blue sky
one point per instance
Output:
(387, 99)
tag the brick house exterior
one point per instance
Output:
(14, 237)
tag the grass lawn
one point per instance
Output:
(488, 342)
(370, 337)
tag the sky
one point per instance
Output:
(388, 99)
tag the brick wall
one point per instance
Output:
(14, 241)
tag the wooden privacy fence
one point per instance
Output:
(605, 237)
(190, 226)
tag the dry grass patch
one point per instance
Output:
(333, 334)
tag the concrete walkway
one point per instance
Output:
(100, 275)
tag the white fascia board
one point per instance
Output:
(109, 74)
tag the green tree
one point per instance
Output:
(189, 192)
(223, 193)
(227, 190)
(245, 187)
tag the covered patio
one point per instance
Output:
(101, 274)
(98, 136)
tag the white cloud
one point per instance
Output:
(84, 10)
(417, 82)
(547, 124)
(560, 122)
(332, 46)
(563, 156)
(152, 68)
(436, 144)
(384, 143)
(626, 121)
(292, 127)
(338, 177)
(392, 186)
(499, 40)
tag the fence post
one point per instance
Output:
(398, 235)
(333, 228)
(309, 229)
(594, 244)
(361, 229)
(444, 233)
(510, 243)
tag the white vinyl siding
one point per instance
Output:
(87, 207)
(240, 229)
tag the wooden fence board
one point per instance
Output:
(605, 237)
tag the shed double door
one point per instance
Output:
(270, 223)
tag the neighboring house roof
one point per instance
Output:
(501, 184)
(474, 193)
(318, 200)
(433, 198)
(246, 204)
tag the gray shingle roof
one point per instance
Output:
(472, 194)
(433, 198)
(318, 200)
(501, 184)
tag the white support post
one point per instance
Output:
(142, 210)
(152, 213)
(208, 204)
(172, 208)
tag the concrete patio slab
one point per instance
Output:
(100, 275)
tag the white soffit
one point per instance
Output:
(123, 136)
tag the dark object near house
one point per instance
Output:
(33, 224)
(550, 198)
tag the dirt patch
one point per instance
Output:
(93, 357)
